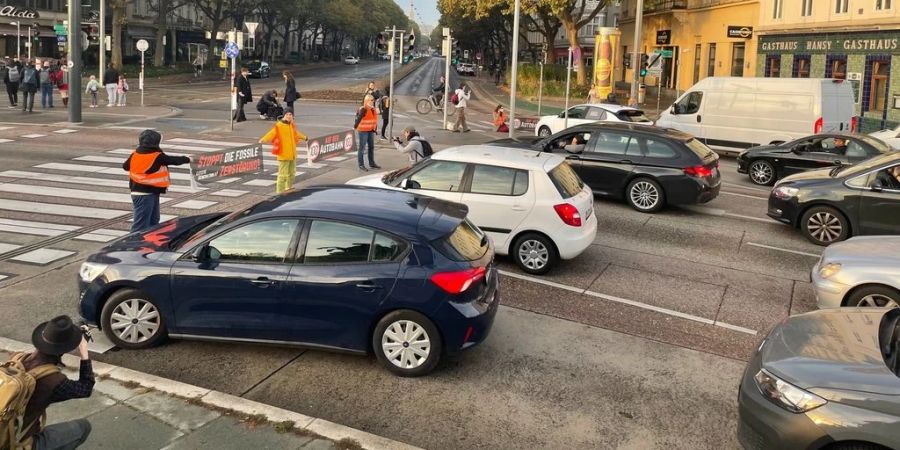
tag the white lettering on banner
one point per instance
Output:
(12, 11)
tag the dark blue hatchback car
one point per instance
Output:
(355, 269)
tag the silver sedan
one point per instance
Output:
(862, 271)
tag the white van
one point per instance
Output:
(731, 114)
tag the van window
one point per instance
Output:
(690, 103)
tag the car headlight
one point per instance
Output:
(785, 192)
(89, 271)
(829, 270)
(786, 395)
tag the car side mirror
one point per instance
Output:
(409, 183)
(207, 253)
(877, 186)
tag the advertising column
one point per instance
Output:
(605, 48)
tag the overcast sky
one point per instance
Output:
(426, 11)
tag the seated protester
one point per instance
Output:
(500, 118)
(268, 106)
(416, 148)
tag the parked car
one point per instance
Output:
(829, 379)
(830, 205)
(648, 167)
(532, 205)
(734, 113)
(465, 69)
(766, 164)
(350, 59)
(259, 69)
(588, 113)
(356, 269)
(861, 271)
(890, 136)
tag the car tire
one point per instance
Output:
(761, 172)
(824, 225)
(544, 132)
(645, 195)
(534, 253)
(874, 296)
(392, 346)
(137, 316)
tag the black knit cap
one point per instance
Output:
(149, 138)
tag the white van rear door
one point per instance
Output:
(838, 107)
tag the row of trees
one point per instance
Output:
(488, 23)
(337, 22)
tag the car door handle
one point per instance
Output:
(368, 286)
(699, 119)
(625, 161)
(263, 282)
(518, 208)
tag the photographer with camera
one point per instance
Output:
(416, 147)
(30, 382)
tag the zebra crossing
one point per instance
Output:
(54, 211)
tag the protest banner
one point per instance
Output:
(231, 162)
(331, 145)
(525, 123)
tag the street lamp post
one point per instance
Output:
(515, 70)
(75, 61)
(102, 30)
(636, 56)
(18, 40)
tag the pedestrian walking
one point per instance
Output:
(122, 90)
(93, 88)
(416, 148)
(373, 91)
(29, 87)
(290, 91)
(366, 125)
(462, 98)
(500, 118)
(384, 107)
(244, 93)
(64, 92)
(46, 79)
(198, 66)
(284, 137)
(111, 83)
(24, 424)
(498, 74)
(148, 174)
(11, 77)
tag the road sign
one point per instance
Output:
(71, 64)
(654, 65)
(232, 50)
(664, 53)
(143, 45)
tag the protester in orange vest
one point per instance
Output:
(366, 124)
(286, 137)
(148, 174)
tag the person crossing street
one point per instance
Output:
(284, 137)
(148, 174)
(462, 101)
(244, 93)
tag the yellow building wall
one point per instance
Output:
(860, 14)
(694, 26)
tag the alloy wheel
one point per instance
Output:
(135, 320)
(534, 254)
(761, 172)
(878, 300)
(406, 344)
(644, 195)
(544, 132)
(824, 226)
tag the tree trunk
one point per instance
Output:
(159, 51)
(118, 19)
(216, 24)
(572, 36)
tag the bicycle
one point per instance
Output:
(425, 105)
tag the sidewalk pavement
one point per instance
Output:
(138, 411)
(90, 117)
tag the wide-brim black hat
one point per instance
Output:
(57, 336)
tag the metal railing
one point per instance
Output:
(664, 5)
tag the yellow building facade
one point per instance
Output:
(697, 38)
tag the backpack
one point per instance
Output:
(16, 388)
(28, 77)
(454, 99)
(45, 76)
(14, 74)
(426, 148)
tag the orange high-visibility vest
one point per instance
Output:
(141, 163)
(369, 121)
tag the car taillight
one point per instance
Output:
(854, 124)
(569, 214)
(698, 171)
(820, 123)
(457, 282)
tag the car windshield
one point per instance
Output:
(864, 166)
(878, 144)
(633, 115)
(225, 220)
(567, 182)
(889, 339)
(466, 243)
(254, 65)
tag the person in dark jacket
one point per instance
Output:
(384, 107)
(148, 174)
(29, 86)
(290, 91)
(111, 82)
(244, 93)
(373, 91)
(12, 74)
(51, 340)
(268, 106)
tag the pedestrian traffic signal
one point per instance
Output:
(644, 60)
(381, 42)
(411, 41)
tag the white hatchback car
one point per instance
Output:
(532, 205)
(588, 113)
(351, 60)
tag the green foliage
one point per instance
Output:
(554, 82)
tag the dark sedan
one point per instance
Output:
(345, 268)
(828, 379)
(649, 167)
(767, 164)
(830, 205)
(259, 69)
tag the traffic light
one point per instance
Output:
(626, 60)
(644, 59)
(411, 41)
(381, 42)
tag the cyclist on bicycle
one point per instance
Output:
(438, 93)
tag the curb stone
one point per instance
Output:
(321, 427)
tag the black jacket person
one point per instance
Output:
(148, 174)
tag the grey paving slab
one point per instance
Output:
(230, 433)
(76, 409)
(116, 391)
(173, 411)
(120, 427)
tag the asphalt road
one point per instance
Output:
(638, 343)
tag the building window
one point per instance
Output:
(773, 66)
(711, 61)
(836, 67)
(806, 8)
(801, 66)
(737, 59)
(841, 6)
(880, 72)
(881, 5)
(697, 62)
(777, 10)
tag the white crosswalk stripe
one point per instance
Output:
(61, 210)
